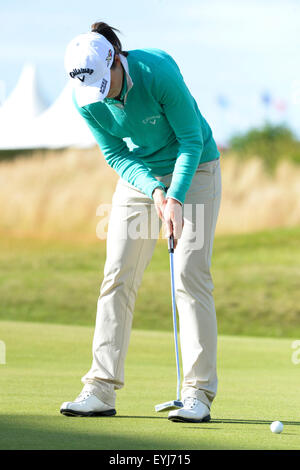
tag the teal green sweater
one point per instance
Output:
(163, 121)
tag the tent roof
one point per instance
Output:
(26, 101)
(61, 125)
(58, 126)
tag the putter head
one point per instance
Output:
(169, 405)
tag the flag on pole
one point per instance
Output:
(280, 105)
(222, 101)
(266, 98)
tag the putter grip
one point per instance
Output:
(171, 244)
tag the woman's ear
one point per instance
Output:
(117, 59)
(116, 62)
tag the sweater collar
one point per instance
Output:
(129, 81)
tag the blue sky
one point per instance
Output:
(234, 48)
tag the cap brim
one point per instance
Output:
(93, 93)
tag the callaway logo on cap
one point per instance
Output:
(88, 60)
(77, 72)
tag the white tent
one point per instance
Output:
(25, 124)
(60, 126)
(25, 102)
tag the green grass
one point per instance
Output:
(258, 383)
(256, 280)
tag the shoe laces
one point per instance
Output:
(83, 396)
(190, 402)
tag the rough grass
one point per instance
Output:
(253, 199)
(258, 384)
(256, 279)
(56, 194)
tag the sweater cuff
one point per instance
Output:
(172, 197)
(150, 188)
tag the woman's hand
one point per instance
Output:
(172, 216)
(170, 212)
(159, 199)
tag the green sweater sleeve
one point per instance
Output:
(183, 116)
(120, 158)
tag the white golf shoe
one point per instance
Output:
(86, 404)
(193, 411)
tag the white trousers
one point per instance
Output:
(127, 258)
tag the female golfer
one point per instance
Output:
(174, 168)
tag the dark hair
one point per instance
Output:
(109, 33)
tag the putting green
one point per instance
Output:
(258, 383)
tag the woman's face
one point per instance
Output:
(116, 79)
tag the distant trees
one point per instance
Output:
(272, 143)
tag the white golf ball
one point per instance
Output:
(276, 427)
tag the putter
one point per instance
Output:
(174, 404)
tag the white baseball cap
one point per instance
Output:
(88, 60)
